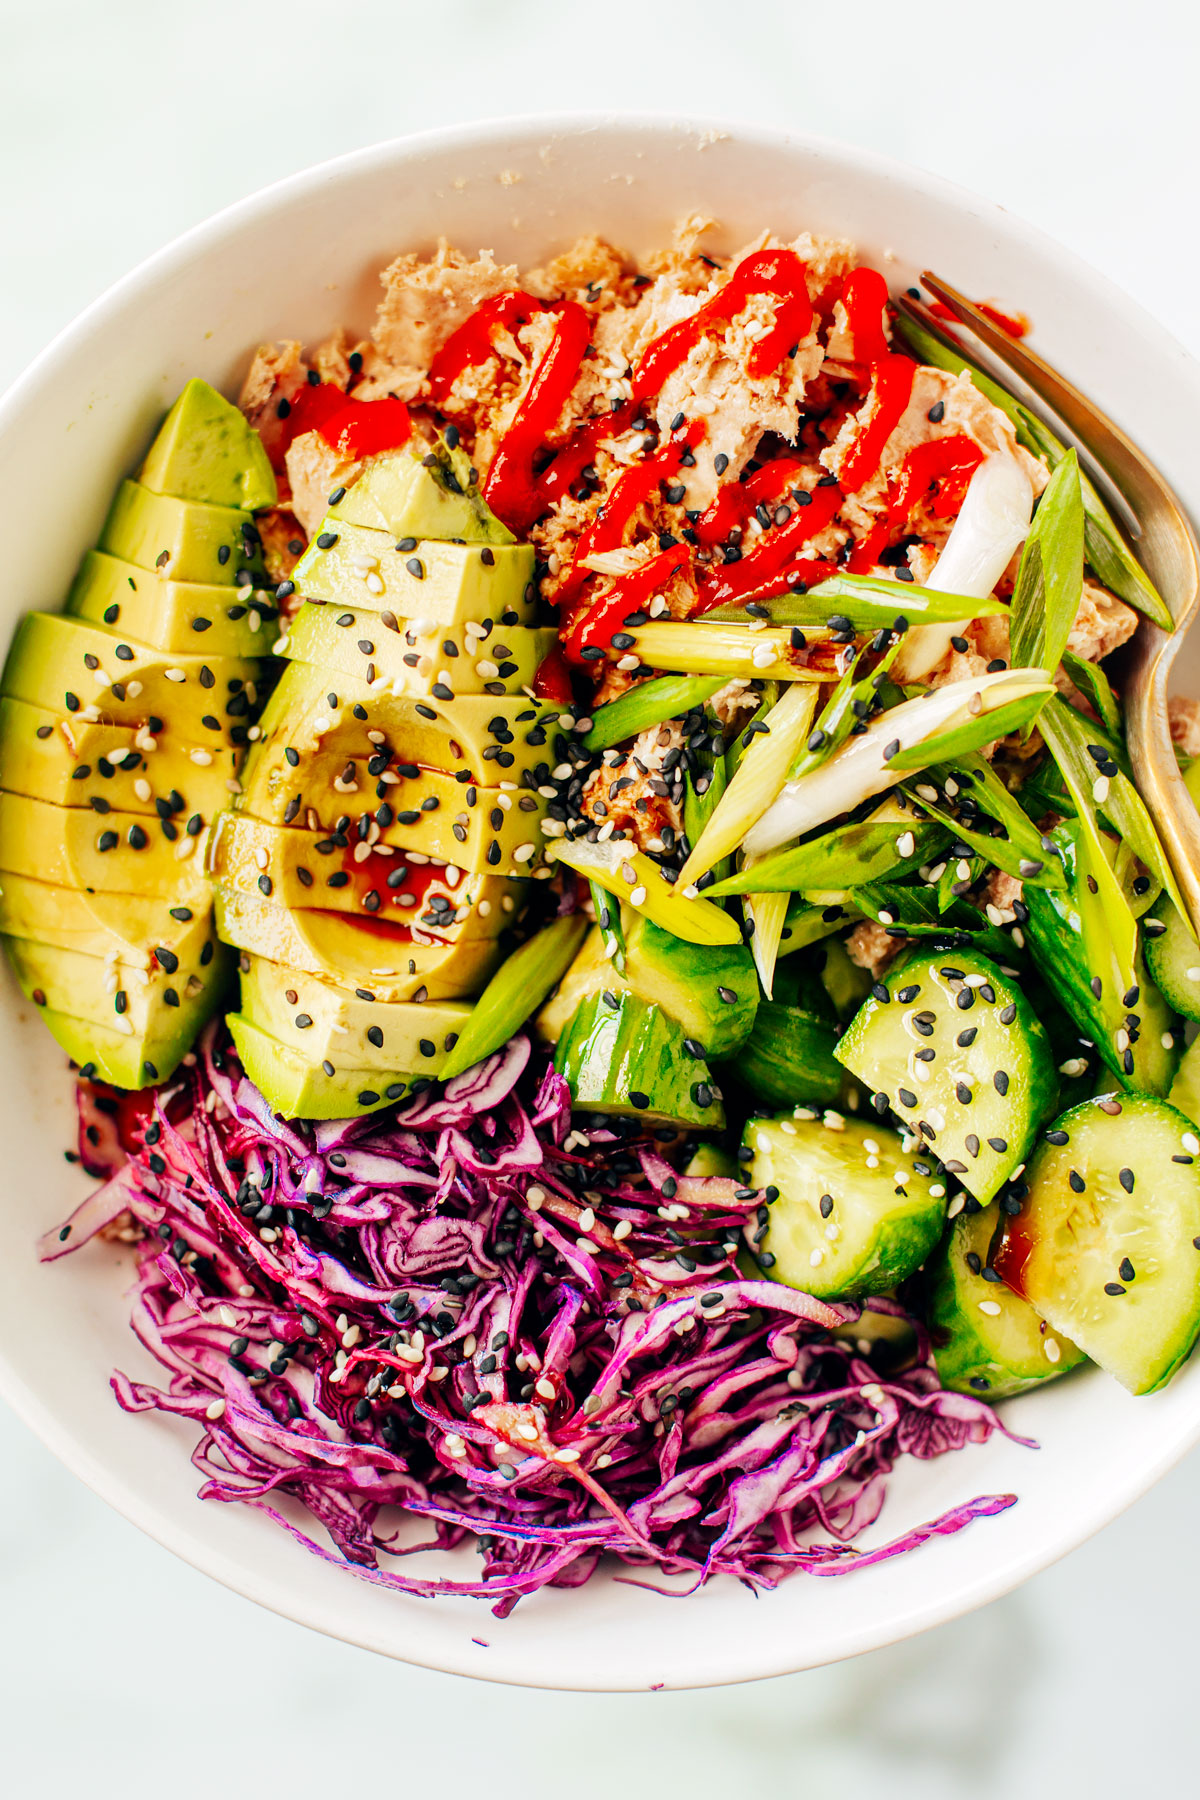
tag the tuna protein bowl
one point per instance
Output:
(620, 987)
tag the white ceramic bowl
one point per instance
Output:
(294, 261)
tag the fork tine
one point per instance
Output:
(1128, 468)
(1004, 371)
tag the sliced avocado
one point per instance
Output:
(630, 1059)
(483, 830)
(444, 583)
(117, 853)
(324, 1023)
(70, 665)
(111, 925)
(73, 762)
(296, 1089)
(483, 740)
(171, 615)
(291, 867)
(185, 540)
(206, 449)
(157, 1007)
(419, 492)
(712, 992)
(444, 660)
(382, 959)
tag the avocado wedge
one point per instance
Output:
(306, 868)
(74, 762)
(297, 1089)
(116, 926)
(70, 665)
(420, 492)
(175, 616)
(207, 450)
(418, 578)
(186, 540)
(416, 656)
(156, 1006)
(327, 1023)
(119, 853)
(382, 959)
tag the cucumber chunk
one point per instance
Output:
(1185, 1089)
(957, 1051)
(1107, 1244)
(1173, 959)
(1141, 1056)
(618, 1055)
(853, 1215)
(986, 1339)
(789, 1059)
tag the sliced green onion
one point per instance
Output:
(764, 766)
(1094, 685)
(608, 917)
(768, 915)
(889, 842)
(640, 884)
(1109, 927)
(650, 703)
(1114, 796)
(704, 786)
(1107, 552)
(1049, 584)
(807, 924)
(869, 602)
(984, 729)
(1042, 868)
(516, 991)
(985, 787)
(849, 705)
(725, 650)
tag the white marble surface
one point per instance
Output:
(121, 1670)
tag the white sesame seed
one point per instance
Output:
(1191, 1143)
(1100, 789)
(545, 1388)
(174, 674)
(638, 897)
(1053, 1350)
(201, 758)
(214, 1409)
(991, 1307)
(622, 1230)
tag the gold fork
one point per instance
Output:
(1167, 548)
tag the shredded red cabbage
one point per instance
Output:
(538, 1340)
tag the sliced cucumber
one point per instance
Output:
(853, 1214)
(957, 1051)
(1173, 958)
(986, 1339)
(788, 1059)
(1142, 1054)
(618, 1055)
(1107, 1244)
(1185, 1089)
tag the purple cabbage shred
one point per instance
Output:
(463, 1314)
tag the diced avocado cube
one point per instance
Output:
(176, 616)
(295, 1089)
(444, 583)
(709, 990)
(75, 762)
(185, 540)
(207, 450)
(382, 959)
(324, 1022)
(419, 493)
(113, 853)
(444, 661)
(312, 868)
(630, 1059)
(71, 666)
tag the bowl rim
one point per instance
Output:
(181, 1535)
